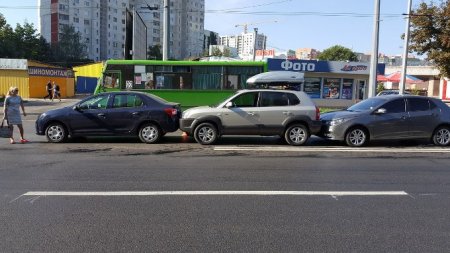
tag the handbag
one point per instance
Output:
(5, 131)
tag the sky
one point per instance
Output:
(288, 24)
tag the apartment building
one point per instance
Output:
(244, 43)
(102, 24)
(307, 53)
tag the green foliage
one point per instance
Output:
(430, 33)
(69, 49)
(380, 87)
(154, 52)
(24, 42)
(216, 52)
(337, 53)
(226, 52)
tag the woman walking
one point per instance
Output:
(11, 112)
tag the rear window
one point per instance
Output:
(418, 104)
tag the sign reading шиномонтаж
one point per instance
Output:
(321, 66)
(53, 72)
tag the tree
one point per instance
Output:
(154, 52)
(69, 49)
(337, 53)
(226, 52)
(216, 52)
(430, 33)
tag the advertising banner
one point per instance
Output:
(322, 66)
(14, 64)
(53, 72)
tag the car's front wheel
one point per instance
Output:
(357, 137)
(150, 133)
(441, 137)
(56, 133)
(296, 134)
(205, 134)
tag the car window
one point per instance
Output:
(98, 102)
(274, 99)
(249, 99)
(124, 101)
(368, 104)
(418, 104)
(395, 106)
(293, 99)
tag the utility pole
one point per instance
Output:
(166, 32)
(402, 85)
(254, 43)
(374, 58)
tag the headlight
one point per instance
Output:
(42, 116)
(335, 122)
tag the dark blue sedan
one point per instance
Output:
(112, 114)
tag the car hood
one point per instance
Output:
(194, 110)
(58, 111)
(340, 115)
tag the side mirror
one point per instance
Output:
(229, 104)
(380, 111)
(77, 107)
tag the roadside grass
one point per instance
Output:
(327, 109)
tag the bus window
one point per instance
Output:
(111, 80)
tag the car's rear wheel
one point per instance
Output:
(205, 134)
(356, 137)
(441, 137)
(56, 133)
(150, 133)
(296, 134)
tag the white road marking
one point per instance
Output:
(211, 193)
(334, 149)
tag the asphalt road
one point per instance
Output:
(243, 195)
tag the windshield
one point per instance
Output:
(368, 104)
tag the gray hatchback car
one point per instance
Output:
(387, 118)
(287, 113)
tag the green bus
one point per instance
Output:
(190, 83)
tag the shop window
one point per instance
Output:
(312, 87)
(347, 89)
(331, 88)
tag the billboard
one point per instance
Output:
(322, 66)
(135, 37)
(139, 38)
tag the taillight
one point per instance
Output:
(171, 112)
(317, 113)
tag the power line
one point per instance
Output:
(239, 12)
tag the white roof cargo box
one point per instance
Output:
(277, 77)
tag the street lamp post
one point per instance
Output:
(166, 39)
(402, 85)
(254, 43)
(374, 58)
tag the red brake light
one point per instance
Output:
(317, 113)
(171, 112)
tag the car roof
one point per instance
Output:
(272, 90)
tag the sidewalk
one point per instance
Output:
(36, 106)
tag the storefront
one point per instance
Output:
(31, 78)
(330, 83)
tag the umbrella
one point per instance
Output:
(397, 76)
(382, 78)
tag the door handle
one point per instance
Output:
(135, 113)
(101, 115)
(403, 117)
(251, 113)
(287, 113)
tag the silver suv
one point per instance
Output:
(287, 113)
